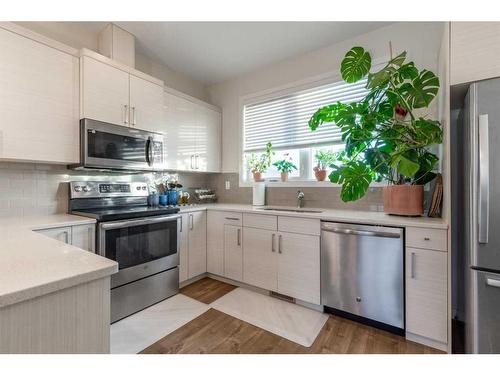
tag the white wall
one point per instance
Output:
(420, 40)
(78, 37)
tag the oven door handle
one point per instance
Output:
(134, 223)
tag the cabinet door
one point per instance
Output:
(197, 258)
(83, 236)
(299, 266)
(208, 140)
(105, 92)
(426, 296)
(146, 104)
(215, 242)
(61, 234)
(260, 258)
(233, 253)
(39, 101)
(186, 127)
(170, 129)
(474, 51)
(183, 251)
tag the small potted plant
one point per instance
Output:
(285, 166)
(323, 160)
(259, 164)
(388, 134)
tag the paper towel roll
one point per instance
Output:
(259, 193)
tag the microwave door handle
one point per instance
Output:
(484, 180)
(149, 151)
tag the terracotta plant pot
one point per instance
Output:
(284, 177)
(320, 174)
(257, 176)
(404, 200)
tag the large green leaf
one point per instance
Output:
(355, 178)
(382, 78)
(405, 164)
(324, 114)
(421, 91)
(356, 64)
(428, 131)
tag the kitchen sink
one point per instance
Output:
(289, 209)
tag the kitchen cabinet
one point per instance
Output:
(287, 263)
(192, 134)
(299, 266)
(474, 51)
(260, 263)
(39, 99)
(193, 251)
(184, 248)
(216, 221)
(82, 236)
(233, 253)
(426, 294)
(119, 94)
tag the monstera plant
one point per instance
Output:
(385, 139)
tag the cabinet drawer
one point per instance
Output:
(424, 238)
(299, 225)
(61, 234)
(269, 222)
(232, 218)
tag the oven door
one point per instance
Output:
(142, 247)
(106, 145)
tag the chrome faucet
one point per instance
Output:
(300, 198)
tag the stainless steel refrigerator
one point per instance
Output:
(480, 219)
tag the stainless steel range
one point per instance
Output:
(144, 240)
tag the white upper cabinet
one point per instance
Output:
(192, 134)
(105, 92)
(146, 104)
(39, 101)
(475, 51)
(114, 93)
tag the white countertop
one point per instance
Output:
(346, 216)
(32, 264)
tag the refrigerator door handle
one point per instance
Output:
(484, 180)
(493, 282)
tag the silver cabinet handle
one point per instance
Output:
(192, 221)
(239, 237)
(272, 242)
(412, 265)
(181, 221)
(192, 156)
(125, 114)
(66, 236)
(493, 282)
(484, 179)
(279, 244)
(232, 218)
(134, 117)
(427, 239)
(196, 159)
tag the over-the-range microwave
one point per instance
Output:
(109, 146)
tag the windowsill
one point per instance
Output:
(303, 183)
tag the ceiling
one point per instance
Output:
(211, 52)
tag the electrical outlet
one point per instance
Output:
(228, 185)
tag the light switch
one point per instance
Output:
(228, 185)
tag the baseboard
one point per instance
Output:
(428, 342)
(261, 291)
(192, 280)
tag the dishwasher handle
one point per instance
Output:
(357, 232)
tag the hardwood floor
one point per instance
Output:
(216, 332)
(207, 290)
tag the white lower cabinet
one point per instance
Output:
(287, 263)
(233, 252)
(82, 236)
(426, 293)
(193, 251)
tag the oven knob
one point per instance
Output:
(78, 189)
(138, 188)
(144, 188)
(86, 189)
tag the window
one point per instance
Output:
(283, 121)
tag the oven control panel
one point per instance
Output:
(102, 189)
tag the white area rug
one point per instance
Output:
(138, 331)
(293, 322)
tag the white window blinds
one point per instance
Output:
(283, 121)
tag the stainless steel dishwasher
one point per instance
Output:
(362, 273)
